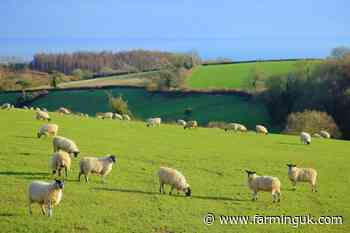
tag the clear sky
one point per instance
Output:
(237, 29)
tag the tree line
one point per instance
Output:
(129, 61)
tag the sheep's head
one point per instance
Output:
(250, 173)
(113, 158)
(39, 135)
(291, 166)
(188, 192)
(59, 184)
(76, 153)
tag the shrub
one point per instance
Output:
(311, 122)
(118, 104)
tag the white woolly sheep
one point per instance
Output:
(181, 122)
(264, 183)
(48, 129)
(261, 129)
(316, 135)
(325, 134)
(305, 138)
(7, 106)
(191, 125)
(65, 144)
(47, 195)
(231, 126)
(40, 115)
(242, 128)
(297, 174)
(173, 178)
(154, 121)
(92, 165)
(63, 110)
(37, 109)
(61, 160)
(117, 116)
(107, 115)
(126, 117)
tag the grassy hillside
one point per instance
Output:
(144, 105)
(213, 162)
(234, 75)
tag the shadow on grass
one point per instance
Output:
(26, 137)
(8, 215)
(27, 175)
(217, 198)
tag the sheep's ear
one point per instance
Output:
(247, 171)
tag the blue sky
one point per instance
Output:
(214, 28)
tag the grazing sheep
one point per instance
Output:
(264, 183)
(48, 129)
(63, 110)
(296, 174)
(60, 160)
(305, 138)
(242, 128)
(325, 134)
(191, 125)
(173, 178)
(65, 144)
(181, 122)
(154, 121)
(37, 109)
(25, 107)
(47, 195)
(316, 135)
(93, 165)
(231, 126)
(261, 129)
(7, 106)
(107, 115)
(117, 116)
(126, 117)
(41, 115)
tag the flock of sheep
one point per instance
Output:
(50, 194)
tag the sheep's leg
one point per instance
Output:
(171, 189)
(279, 196)
(43, 211)
(49, 208)
(103, 179)
(79, 176)
(160, 187)
(66, 172)
(254, 196)
(30, 208)
(86, 179)
(274, 196)
(59, 172)
(314, 188)
(294, 183)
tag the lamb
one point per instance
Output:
(65, 144)
(316, 135)
(48, 129)
(108, 115)
(117, 116)
(296, 174)
(305, 138)
(181, 122)
(173, 178)
(154, 121)
(7, 106)
(100, 166)
(191, 125)
(60, 160)
(242, 128)
(231, 126)
(47, 195)
(126, 117)
(264, 183)
(63, 110)
(261, 129)
(41, 115)
(325, 134)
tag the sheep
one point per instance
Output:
(47, 195)
(63, 110)
(305, 138)
(325, 134)
(117, 116)
(242, 128)
(231, 126)
(37, 109)
(107, 115)
(264, 183)
(261, 129)
(173, 178)
(7, 106)
(191, 125)
(181, 122)
(126, 117)
(154, 121)
(60, 160)
(100, 166)
(65, 144)
(40, 115)
(316, 135)
(48, 129)
(296, 174)
(25, 107)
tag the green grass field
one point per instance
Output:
(213, 162)
(144, 105)
(234, 75)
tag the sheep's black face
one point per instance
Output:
(291, 165)
(60, 184)
(76, 153)
(39, 135)
(188, 192)
(250, 173)
(113, 158)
